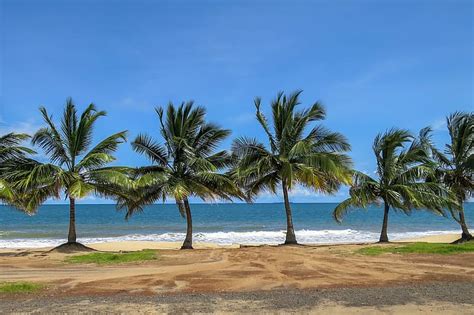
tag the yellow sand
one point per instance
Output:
(140, 245)
(446, 238)
(212, 268)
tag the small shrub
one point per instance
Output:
(20, 287)
(419, 248)
(113, 258)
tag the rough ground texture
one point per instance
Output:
(441, 297)
(328, 279)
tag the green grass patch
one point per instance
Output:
(419, 248)
(20, 287)
(113, 258)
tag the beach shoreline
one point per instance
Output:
(116, 246)
(141, 245)
(224, 224)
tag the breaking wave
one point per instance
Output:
(228, 238)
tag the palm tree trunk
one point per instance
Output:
(188, 241)
(71, 237)
(290, 231)
(383, 234)
(462, 221)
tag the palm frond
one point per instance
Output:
(186, 165)
(11, 148)
(144, 144)
(342, 208)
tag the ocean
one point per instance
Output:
(262, 223)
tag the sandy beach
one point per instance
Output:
(140, 245)
(445, 238)
(240, 279)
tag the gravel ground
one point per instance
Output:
(291, 300)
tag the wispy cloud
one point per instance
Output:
(296, 191)
(439, 124)
(300, 193)
(243, 118)
(132, 103)
(28, 127)
(377, 71)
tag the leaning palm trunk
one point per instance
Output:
(403, 167)
(466, 235)
(455, 167)
(290, 231)
(71, 237)
(383, 233)
(188, 241)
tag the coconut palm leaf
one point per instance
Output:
(403, 168)
(185, 165)
(315, 159)
(455, 166)
(75, 169)
(12, 155)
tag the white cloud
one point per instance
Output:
(243, 118)
(28, 127)
(132, 103)
(295, 192)
(378, 71)
(375, 72)
(439, 124)
(301, 191)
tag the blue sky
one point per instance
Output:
(373, 64)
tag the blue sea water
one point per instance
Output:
(217, 223)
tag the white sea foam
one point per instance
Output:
(227, 238)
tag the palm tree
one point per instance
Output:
(456, 166)
(314, 159)
(11, 148)
(403, 164)
(11, 151)
(185, 165)
(73, 170)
